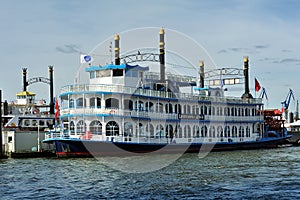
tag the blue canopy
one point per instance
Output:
(112, 66)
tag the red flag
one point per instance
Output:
(57, 109)
(257, 85)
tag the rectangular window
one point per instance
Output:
(103, 73)
(118, 72)
(128, 73)
(92, 75)
(134, 73)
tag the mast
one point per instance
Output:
(51, 90)
(297, 111)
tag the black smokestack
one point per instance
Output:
(5, 108)
(246, 74)
(25, 84)
(201, 74)
(162, 54)
(51, 90)
(117, 49)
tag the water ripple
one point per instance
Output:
(261, 174)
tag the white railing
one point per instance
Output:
(118, 112)
(153, 93)
(233, 118)
(153, 115)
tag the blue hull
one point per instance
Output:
(89, 148)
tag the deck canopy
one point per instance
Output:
(112, 66)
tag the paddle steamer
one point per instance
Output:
(127, 110)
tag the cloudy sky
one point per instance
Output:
(36, 34)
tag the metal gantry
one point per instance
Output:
(224, 76)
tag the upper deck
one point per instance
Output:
(104, 88)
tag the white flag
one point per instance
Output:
(86, 58)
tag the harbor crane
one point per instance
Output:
(263, 93)
(286, 102)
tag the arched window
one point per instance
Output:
(256, 127)
(196, 131)
(140, 129)
(71, 103)
(139, 105)
(128, 129)
(150, 130)
(169, 131)
(72, 126)
(159, 107)
(169, 108)
(149, 106)
(213, 110)
(218, 111)
(220, 131)
(112, 128)
(204, 131)
(247, 112)
(80, 102)
(232, 111)
(96, 127)
(187, 131)
(205, 111)
(212, 131)
(209, 109)
(227, 111)
(81, 127)
(234, 131)
(221, 111)
(241, 131)
(159, 131)
(242, 112)
(202, 110)
(95, 102)
(253, 111)
(128, 104)
(227, 131)
(239, 112)
(178, 131)
(195, 110)
(247, 131)
(187, 109)
(112, 103)
(178, 108)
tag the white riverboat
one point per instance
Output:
(25, 119)
(128, 109)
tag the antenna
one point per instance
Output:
(110, 51)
